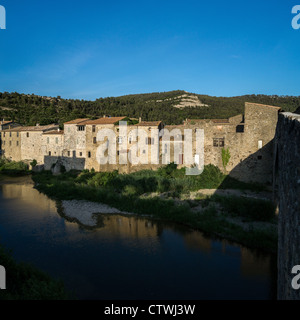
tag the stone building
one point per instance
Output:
(106, 144)
(25, 143)
(53, 143)
(248, 137)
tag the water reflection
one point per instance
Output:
(140, 258)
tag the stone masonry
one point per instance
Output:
(287, 193)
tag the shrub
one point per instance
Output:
(33, 163)
(163, 185)
(131, 191)
(102, 178)
(254, 209)
(167, 170)
(25, 282)
(14, 167)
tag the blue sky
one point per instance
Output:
(90, 49)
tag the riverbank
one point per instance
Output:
(245, 219)
(25, 282)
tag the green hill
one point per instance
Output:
(171, 107)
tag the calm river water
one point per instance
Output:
(128, 257)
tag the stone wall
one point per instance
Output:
(287, 188)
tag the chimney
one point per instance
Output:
(37, 124)
(58, 130)
(104, 116)
(140, 119)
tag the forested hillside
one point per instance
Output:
(32, 109)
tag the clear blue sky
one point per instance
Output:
(90, 49)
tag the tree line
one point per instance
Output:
(32, 109)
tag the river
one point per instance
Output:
(128, 257)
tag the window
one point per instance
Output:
(81, 128)
(17, 143)
(27, 134)
(144, 151)
(89, 154)
(120, 140)
(130, 140)
(180, 159)
(118, 153)
(49, 153)
(68, 153)
(56, 140)
(48, 140)
(219, 142)
(18, 134)
(166, 148)
(74, 154)
(3, 134)
(10, 143)
(94, 140)
(93, 128)
(10, 134)
(149, 140)
(240, 128)
(260, 144)
(80, 154)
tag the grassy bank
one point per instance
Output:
(25, 282)
(13, 168)
(250, 222)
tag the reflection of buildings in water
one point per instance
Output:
(26, 195)
(253, 264)
(196, 241)
(129, 226)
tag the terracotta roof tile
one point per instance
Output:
(78, 121)
(149, 123)
(106, 120)
(54, 132)
(32, 128)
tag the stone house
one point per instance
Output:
(25, 143)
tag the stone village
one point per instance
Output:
(248, 137)
(264, 146)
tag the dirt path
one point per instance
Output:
(264, 195)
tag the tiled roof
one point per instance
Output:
(5, 122)
(54, 132)
(149, 123)
(220, 120)
(32, 128)
(78, 121)
(106, 120)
